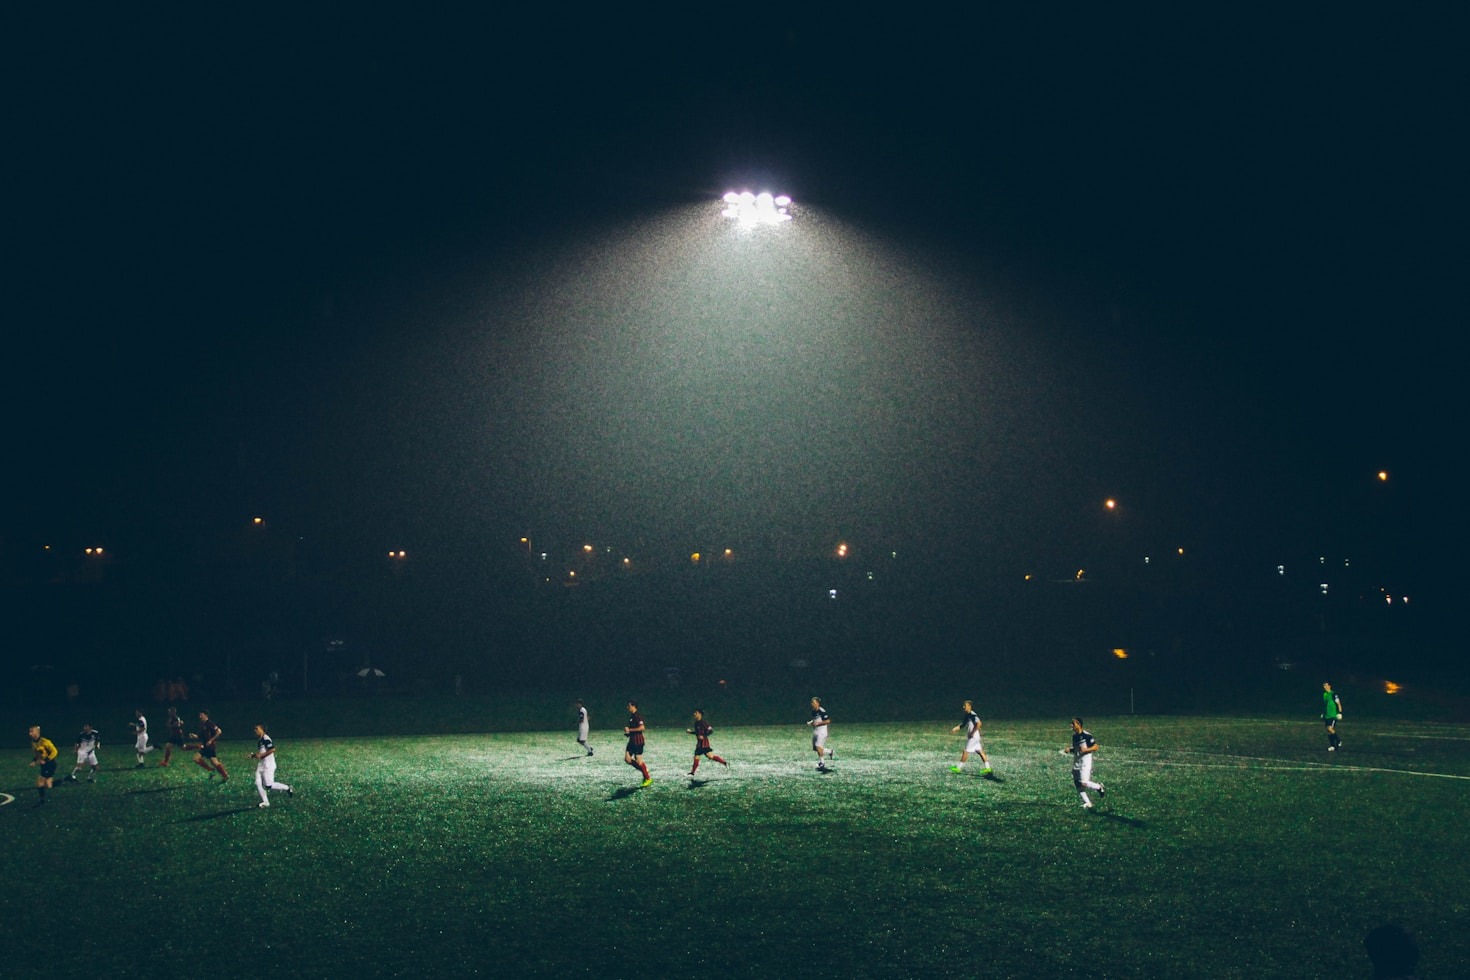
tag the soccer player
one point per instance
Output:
(1083, 747)
(819, 722)
(971, 725)
(583, 726)
(701, 732)
(140, 728)
(44, 755)
(208, 755)
(633, 754)
(88, 742)
(265, 766)
(175, 734)
(1331, 715)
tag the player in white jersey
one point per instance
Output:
(970, 723)
(140, 730)
(88, 742)
(583, 726)
(1082, 749)
(265, 766)
(819, 722)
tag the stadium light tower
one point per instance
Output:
(750, 210)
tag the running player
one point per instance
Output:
(1331, 715)
(175, 734)
(88, 742)
(820, 721)
(971, 725)
(583, 726)
(265, 766)
(207, 757)
(140, 730)
(633, 753)
(701, 732)
(1083, 747)
(44, 755)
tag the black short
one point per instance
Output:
(176, 740)
(634, 748)
(48, 768)
(702, 750)
(207, 751)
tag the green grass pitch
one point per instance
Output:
(1225, 847)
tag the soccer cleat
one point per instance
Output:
(1087, 805)
(821, 767)
(263, 804)
(724, 763)
(1102, 794)
(648, 781)
(987, 771)
(589, 751)
(1331, 748)
(832, 754)
(955, 769)
(288, 791)
(70, 779)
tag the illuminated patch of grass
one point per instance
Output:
(1225, 846)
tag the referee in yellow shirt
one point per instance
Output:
(45, 757)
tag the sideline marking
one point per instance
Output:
(8, 799)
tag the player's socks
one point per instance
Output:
(720, 761)
(694, 768)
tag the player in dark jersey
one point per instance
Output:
(633, 754)
(701, 732)
(175, 735)
(44, 755)
(818, 723)
(207, 757)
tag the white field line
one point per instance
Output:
(7, 799)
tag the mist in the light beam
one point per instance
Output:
(681, 379)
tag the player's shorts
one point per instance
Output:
(819, 737)
(208, 751)
(702, 750)
(142, 741)
(582, 733)
(974, 744)
(1329, 722)
(48, 768)
(87, 757)
(177, 738)
(634, 748)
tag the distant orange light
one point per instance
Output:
(1120, 653)
(842, 550)
(1389, 687)
(587, 548)
(1383, 476)
(1110, 504)
(694, 557)
(257, 520)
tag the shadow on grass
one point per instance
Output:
(201, 817)
(623, 793)
(574, 758)
(695, 783)
(1119, 818)
(156, 789)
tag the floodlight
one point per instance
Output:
(749, 209)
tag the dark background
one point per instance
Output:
(415, 282)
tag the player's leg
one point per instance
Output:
(260, 784)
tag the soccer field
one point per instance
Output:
(1225, 847)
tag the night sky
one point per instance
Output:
(431, 283)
